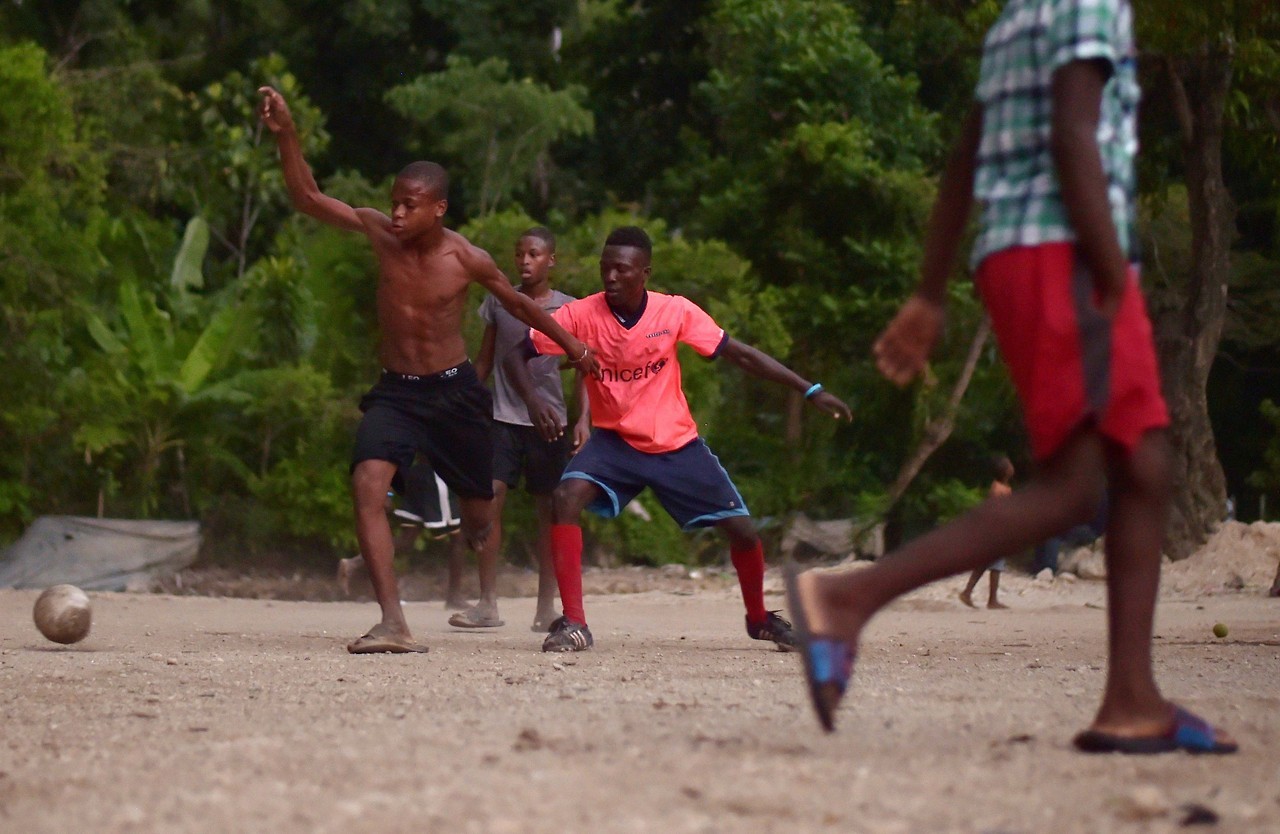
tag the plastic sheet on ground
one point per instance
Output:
(98, 554)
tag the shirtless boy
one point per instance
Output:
(429, 398)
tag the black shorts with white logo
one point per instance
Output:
(447, 417)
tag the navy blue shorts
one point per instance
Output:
(690, 483)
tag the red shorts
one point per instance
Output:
(1067, 364)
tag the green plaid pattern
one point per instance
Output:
(1015, 179)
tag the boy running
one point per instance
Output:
(645, 435)
(1048, 150)
(530, 427)
(429, 399)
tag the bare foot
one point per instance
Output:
(347, 569)
(993, 605)
(480, 615)
(456, 602)
(383, 638)
(542, 620)
(967, 598)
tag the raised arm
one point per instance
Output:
(903, 348)
(758, 363)
(303, 191)
(484, 271)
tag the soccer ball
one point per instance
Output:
(62, 614)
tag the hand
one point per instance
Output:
(832, 405)
(545, 419)
(581, 434)
(903, 348)
(273, 110)
(1108, 291)
(586, 363)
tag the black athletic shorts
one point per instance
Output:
(520, 450)
(447, 416)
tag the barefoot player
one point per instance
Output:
(429, 399)
(532, 440)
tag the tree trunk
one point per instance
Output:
(1189, 322)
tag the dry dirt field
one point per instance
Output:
(187, 713)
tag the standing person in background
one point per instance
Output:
(1048, 149)
(1000, 487)
(532, 439)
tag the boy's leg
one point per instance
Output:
(479, 514)
(484, 614)
(569, 500)
(1131, 702)
(747, 553)
(455, 562)
(369, 483)
(966, 596)
(546, 611)
(993, 589)
(838, 604)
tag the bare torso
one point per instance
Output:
(422, 296)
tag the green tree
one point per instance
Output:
(1204, 63)
(499, 129)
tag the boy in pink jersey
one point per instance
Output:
(645, 435)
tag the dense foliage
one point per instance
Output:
(178, 343)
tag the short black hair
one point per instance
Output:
(543, 234)
(632, 236)
(430, 174)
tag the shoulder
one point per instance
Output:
(374, 220)
(467, 253)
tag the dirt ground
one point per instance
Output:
(195, 713)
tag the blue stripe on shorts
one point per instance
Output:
(690, 483)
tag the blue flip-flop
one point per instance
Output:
(828, 662)
(1187, 731)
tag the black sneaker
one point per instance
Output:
(774, 628)
(568, 636)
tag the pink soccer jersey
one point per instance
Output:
(640, 396)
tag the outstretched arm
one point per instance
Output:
(758, 363)
(486, 273)
(303, 191)
(903, 348)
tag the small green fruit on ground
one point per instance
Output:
(1219, 630)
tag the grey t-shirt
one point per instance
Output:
(509, 333)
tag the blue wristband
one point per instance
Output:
(813, 389)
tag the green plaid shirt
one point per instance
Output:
(1015, 179)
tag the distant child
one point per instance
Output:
(1048, 149)
(1002, 486)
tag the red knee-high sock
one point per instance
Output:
(566, 553)
(749, 563)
